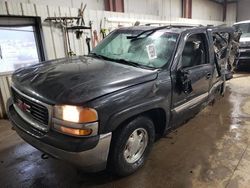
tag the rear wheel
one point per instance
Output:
(131, 145)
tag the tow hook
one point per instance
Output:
(44, 156)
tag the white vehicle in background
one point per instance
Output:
(244, 48)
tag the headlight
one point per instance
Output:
(75, 120)
(75, 114)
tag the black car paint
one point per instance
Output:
(118, 92)
(77, 80)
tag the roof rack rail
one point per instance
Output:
(149, 30)
(175, 24)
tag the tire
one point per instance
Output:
(125, 141)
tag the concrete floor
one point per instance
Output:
(211, 150)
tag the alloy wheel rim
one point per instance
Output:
(136, 145)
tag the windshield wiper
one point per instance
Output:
(122, 61)
(101, 56)
(151, 31)
(125, 62)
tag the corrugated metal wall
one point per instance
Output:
(5, 81)
(53, 36)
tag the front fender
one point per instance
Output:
(115, 108)
(132, 111)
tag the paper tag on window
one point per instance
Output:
(151, 51)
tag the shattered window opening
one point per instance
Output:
(195, 51)
(221, 41)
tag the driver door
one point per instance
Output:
(192, 78)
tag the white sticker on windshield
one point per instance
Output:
(151, 51)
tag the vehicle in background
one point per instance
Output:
(243, 56)
(105, 109)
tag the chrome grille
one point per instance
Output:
(33, 110)
(244, 54)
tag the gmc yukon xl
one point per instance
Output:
(104, 110)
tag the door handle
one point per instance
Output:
(208, 76)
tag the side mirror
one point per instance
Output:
(183, 81)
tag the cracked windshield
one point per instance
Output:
(152, 49)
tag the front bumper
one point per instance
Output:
(90, 160)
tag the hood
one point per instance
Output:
(77, 80)
(244, 39)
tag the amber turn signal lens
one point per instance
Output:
(88, 115)
(72, 131)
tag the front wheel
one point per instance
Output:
(131, 145)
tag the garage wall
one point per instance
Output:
(91, 4)
(165, 8)
(231, 13)
(5, 81)
(202, 9)
(243, 10)
(208, 10)
(53, 36)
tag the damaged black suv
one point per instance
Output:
(105, 109)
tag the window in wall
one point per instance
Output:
(18, 48)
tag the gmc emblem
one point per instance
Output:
(23, 106)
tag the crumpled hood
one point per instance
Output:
(77, 80)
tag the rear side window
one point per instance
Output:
(195, 51)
